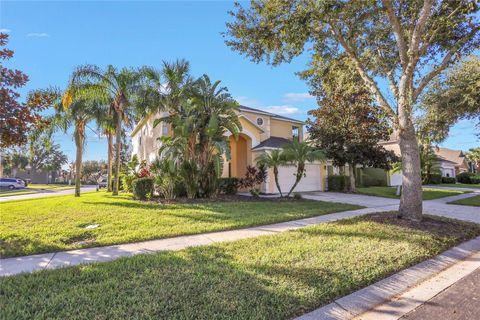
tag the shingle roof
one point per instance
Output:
(455, 156)
(273, 115)
(272, 142)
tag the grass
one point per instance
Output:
(15, 192)
(58, 223)
(472, 201)
(460, 185)
(269, 277)
(51, 186)
(34, 188)
(389, 192)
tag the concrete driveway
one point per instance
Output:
(438, 207)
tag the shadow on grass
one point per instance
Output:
(250, 279)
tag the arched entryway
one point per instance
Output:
(241, 155)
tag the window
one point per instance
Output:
(260, 121)
(164, 129)
(295, 133)
(140, 141)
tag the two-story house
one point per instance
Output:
(261, 132)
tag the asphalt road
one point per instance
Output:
(461, 301)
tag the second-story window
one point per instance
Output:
(295, 133)
(164, 129)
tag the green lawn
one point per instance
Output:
(34, 188)
(58, 223)
(460, 185)
(472, 201)
(269, 277)
(51, 186)
(389, 192)
(16, 192)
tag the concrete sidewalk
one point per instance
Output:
(16, 265)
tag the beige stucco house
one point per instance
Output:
(261, 132)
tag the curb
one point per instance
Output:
(366, 299)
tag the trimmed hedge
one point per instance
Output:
(448, 180)
(142, 188)
(468, 178)
(337, 182)
(434, 178)
(228, 185)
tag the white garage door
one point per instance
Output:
(311, 182)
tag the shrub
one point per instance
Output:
(448, 180)
(126, 182)
(475, 179)
(468, 178)
(297, 196)
(142, 188)
(253, 177)
(255, 192)
(434, 178)
(229, 185)
(165, 186)
(337, 182)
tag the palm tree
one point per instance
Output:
(79, 112)
(273, 159)
(116, 88)
(300, 153)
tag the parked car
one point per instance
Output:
(103, 183)
(12, 183)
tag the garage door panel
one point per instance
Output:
(310, 182)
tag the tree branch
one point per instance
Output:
(369, 82)
(393, 84)
(397, 31)
(419, 27)
(443, 65)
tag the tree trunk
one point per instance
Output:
(298, 177)
(78, 165)
(275, 174)
(118, 143)
(351, 170)
(411, 198)
(14, 172)
(110, 160)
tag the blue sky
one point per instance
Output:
(51, 38)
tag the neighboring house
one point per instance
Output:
(39, 176)
(261, 132)
(450, 162)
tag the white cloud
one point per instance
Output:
(286, 109)
(297, 96)
(5, 30)
(38, 34)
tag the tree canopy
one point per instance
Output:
(453, 96)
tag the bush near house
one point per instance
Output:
(142, 188)
(468, 178)
(432, 178)
(448, 180)
(229, 185)
(337, 182)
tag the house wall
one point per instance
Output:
(145, 142)
(283, 129)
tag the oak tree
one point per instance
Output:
(405, 44)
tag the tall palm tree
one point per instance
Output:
(79, 112)
(299, 153)
(118, 87)
(274, 160)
